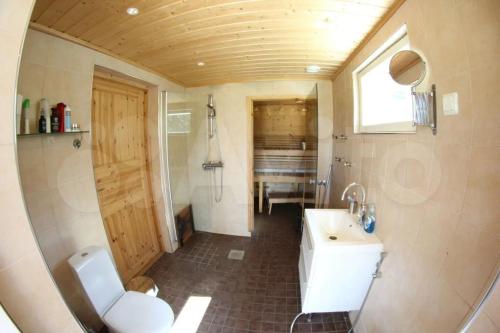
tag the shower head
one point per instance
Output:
(211, 106)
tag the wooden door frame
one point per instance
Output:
(250, 137)
(118, 78)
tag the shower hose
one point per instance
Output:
(218, 197)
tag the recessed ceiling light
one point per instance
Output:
(132, 11)
(326, 23)
(201, 63)
(313, 69)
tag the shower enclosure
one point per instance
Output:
(200, 156)
(311, 183)
(208, 168)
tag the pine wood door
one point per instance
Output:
(122, 175)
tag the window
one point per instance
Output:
(179, 122)
(380, 104)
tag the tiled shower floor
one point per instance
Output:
(258, 294)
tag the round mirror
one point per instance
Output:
(407, 68)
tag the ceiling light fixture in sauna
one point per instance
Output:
(201, 63)
(313, 69)
(132, 11)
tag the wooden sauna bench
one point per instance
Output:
(281, 159)
(289, 197)
(279, 177)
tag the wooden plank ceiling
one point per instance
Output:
(243, 40)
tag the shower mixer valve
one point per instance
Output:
(212, 165)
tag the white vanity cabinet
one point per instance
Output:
(335, 274)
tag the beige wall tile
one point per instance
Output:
(14, 218)
(493, 305)
(28, 86)
(58, 179)
(480, 31)
(449, 174)
(458, 127)
(482, 186)
(7, 85)
(434, 195)
(41, 213)
(18, 246)
(48, 305)
(441, 310)
(486, 103)
(483, 324)
(443, 27)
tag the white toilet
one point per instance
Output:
(122, 311)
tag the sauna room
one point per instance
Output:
(249, 166)
(285, 151)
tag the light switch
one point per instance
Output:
(450, 104)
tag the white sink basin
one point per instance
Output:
(337, 261)
(337, 228)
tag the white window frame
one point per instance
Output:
(394, 42)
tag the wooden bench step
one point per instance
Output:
(288, 197)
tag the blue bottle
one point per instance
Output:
(370, 219)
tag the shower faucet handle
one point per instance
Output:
(210, 165)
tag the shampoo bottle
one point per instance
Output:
(26, 111)
(42, 123)
(19, 112)
(67, 119)
(60, 114)
(54, 120)
(44, 106)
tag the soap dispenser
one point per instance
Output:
(370, 219)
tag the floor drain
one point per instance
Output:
(236, 254)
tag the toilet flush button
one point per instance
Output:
(450, 104)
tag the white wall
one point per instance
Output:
(230, 216)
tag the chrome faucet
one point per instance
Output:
(354, 205)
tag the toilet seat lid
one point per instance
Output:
(136, 312)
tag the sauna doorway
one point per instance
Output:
(285, 152)
(122, 174)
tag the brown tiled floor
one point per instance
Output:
(258, 294)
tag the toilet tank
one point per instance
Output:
(98, 277)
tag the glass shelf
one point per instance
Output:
(53, 133)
